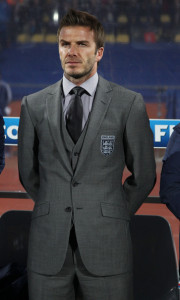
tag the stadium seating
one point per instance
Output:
(165, 18)
(177, 38)
(122, 19)
(37, 38)
(155, 265)
(14, 231)
(123, 38)
(110, 38)
(51, 38)
(23, 38)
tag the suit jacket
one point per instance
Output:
(2, 158)
(170, 174)
(118, 134)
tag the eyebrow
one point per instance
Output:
(78, 42)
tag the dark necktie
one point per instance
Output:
(75, 114)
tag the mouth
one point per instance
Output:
(72, 62)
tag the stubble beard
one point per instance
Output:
(78, 75)
(81, 74)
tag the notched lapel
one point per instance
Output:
(54, 112)
(100, 106)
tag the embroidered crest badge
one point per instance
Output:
(107, 144)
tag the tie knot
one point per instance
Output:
(77, 90)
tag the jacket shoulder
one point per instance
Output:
(34, 104)
(177, 128)
(117, 88)
(41, 95)
(174, 143)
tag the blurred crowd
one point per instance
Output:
(42, 16)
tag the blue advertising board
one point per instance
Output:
(11, 130)
(161, 128)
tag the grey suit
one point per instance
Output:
(117, 134)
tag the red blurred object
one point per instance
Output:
(149, 37)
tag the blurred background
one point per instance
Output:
(142, 52)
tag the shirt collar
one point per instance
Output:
(89, 85)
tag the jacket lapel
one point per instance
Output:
(54, 112)
(100, 106)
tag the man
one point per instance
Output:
(2, 158)
(170, 174)
(79, 234)
(5, 97)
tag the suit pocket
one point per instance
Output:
(41, 210)
(114, 211)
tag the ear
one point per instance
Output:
(99, 54)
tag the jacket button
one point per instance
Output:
(76, 153)
(75, 184)
(68, 209)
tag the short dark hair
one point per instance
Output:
(81, 18)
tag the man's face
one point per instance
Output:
(78, 53)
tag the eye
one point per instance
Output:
(83, 44)
(64, 44)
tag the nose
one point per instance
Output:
(72, 50)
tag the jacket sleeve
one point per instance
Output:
(139, 155)
(2, 155)
(28, 152)
(170, 183)
(170, 174)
